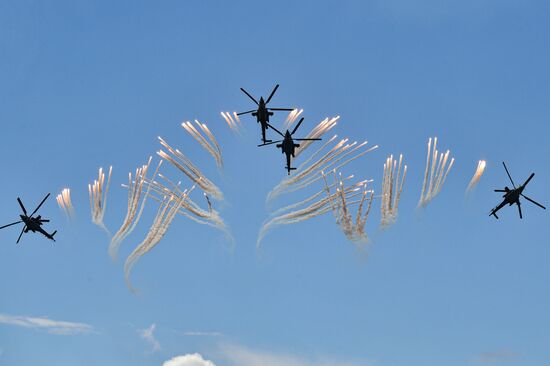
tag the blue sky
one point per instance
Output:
(86, 84)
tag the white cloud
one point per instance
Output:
(241, 356)
(51, 326)
(147, 335)
(194, 359)
(496, 357)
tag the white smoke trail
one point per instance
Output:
(185, 165)
(301, 203)
(232, 121)
(65, 204)
(317, 132)
(135, 205)
(167, 210)
(308, 172)
(392, 186)
(354, 230)
(477, 175)
(291, 118)
(98, 198)
(211, 146)
(189, 208)
(315, 209)
(435, 164)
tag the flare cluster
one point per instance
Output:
(438, 167)
(65, 204)
(392, 186)
(98, 191)
(211, 144)
(233, 121)
(477, 175)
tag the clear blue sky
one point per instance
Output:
(85, 84)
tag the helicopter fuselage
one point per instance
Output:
(262, 114)
(288, 147)
(32, 223)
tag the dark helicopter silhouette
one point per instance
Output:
(263, 112)
(33, 224)
(287, 144)
(511, 196)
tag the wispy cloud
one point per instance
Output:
(242, 356)
(49, 325)
(203, 334)
(194, 359)
(496, 357)
(148, 336)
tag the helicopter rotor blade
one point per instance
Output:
(528, 179)
(272, 93)
(509, 176)
(250, 111)
(307, 139)
(276, 130)
(13, 223)
(21, 234)
(281, 109)
(269, 143)
(500, 190)
(519, 209)
(533, 201)
(41, 203)
(250, 96)
(44, 220)
(22, 207)
(298, 125)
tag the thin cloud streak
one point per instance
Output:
(203, 334)
(51, 326)
(241, 356)
(149, 337)
(496, 357)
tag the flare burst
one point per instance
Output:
(65, 204)
(392, 186)
(98, 191)
(435, 173)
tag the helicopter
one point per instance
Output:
(33, 224)
(511, 196)
(262, 113)
(287, 144)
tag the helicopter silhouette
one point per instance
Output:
(33, 224)
(511, 196)
(262, 113)
(287, 144)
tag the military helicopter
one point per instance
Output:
(287, 144)
(263, 112)
(32, 223)
(511, 196)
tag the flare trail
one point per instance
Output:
(211, 145)
(477, 175)
(233, 121)
(136, 204)
(180, 161)
(392, 186)
(65, 204)
(435, 173)
(98, 191)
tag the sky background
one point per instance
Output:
(85, 84)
